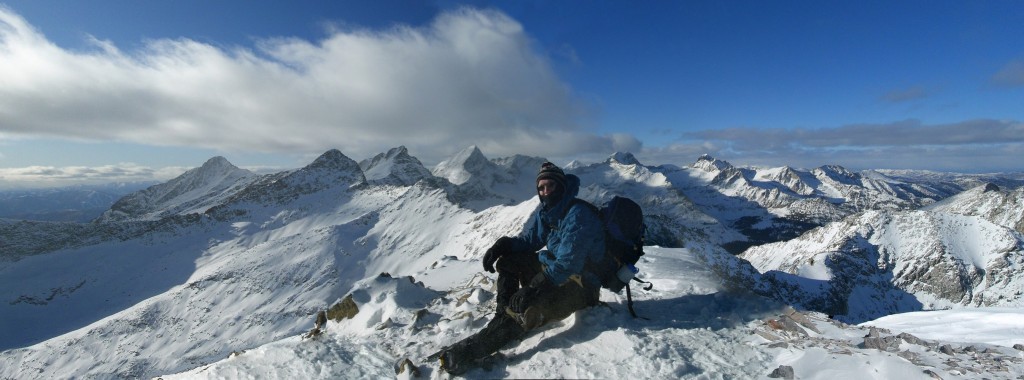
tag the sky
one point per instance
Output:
(115, 90)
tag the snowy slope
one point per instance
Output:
(695, 330)
(244, 273)
(481, 183)
(396, 167)
(1000, 206)
(244, 268)
(187, 297)
(883, 262)
(672, 218)
(773, 204)
(192, 192)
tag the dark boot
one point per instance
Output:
(462, 356)
(454, 360)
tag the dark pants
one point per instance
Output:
(515, 270)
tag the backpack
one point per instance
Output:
(624, 227)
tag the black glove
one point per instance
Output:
(526, 296)
(500, 247)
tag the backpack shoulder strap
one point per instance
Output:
(589, 205)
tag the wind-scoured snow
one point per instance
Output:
(693, 329)
(883, 262)
(227, 284)
(1001, 326)
(1004, 207)
(195, 191)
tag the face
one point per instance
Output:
(546, 187)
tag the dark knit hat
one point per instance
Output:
(552, 172)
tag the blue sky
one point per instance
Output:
(126, 90)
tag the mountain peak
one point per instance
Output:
(464, 165)
(396, 167)
(472, 154)
(837, 173)
(217, 161)
(330, 158)
(710, 164)
(330, 168)
(624, 158)
(193, 191)
(334, 161)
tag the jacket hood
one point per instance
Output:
(572, 188)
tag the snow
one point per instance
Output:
(695, 330)
(231, 293)
(1001, 326)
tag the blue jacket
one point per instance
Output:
(572, 238)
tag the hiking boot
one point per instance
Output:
(453, 362)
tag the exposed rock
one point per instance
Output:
(783, 372)
(792, 321)
(342, 310)
(396, 167)
(911, 357)
(800, 318)
(932, 374)
(880, 343)
(947, 349)
(786, 324)
(313, 334)
(407, 365)
(386, 324)
(768, 336)
(1019, 347)
(912, 339)
(321, 320)
(875, 340)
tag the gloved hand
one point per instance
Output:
(502, 246)
(522, 299)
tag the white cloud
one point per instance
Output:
(50, 176)
(470, 78)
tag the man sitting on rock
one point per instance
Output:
(535, 286)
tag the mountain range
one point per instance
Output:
(183, 273)
(64, 204)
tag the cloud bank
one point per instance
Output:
(471, 77)
(911, 144)
(50, 176)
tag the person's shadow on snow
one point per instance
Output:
(715, 311)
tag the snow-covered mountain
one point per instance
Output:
(225, 263)
(1004, 207)
(773, 204)
(695, 330)
(480, 183)
(672, 218)
(192, 192)
(396, 167)
(884, 262)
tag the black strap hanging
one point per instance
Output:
(629, 300)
